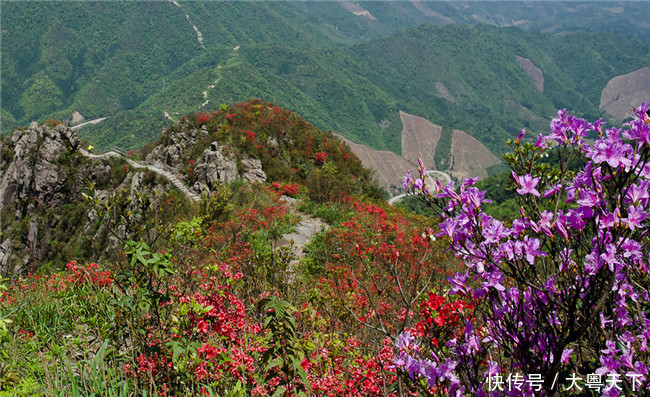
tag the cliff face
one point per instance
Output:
(31, 170)
(44, 216)
(41, 173)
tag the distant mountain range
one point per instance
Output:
(348, 67)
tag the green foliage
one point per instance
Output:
(187, 232)
(283, 357)
(412, 204)
(4, 317)
(215, 206)
(358, 90)
(42, 97)
(332, 212)
(135, 215)
(443, 150)
(327, 184)
(140, 297)
(295, 58)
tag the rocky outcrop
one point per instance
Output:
(252, 170)
(39, 175)
(33, 172)
(44, 215)
(170, 153)
(217, 164)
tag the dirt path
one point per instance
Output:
(172, 178)
(74, 127)
(303, 232)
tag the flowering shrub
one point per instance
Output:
(378, 267)
(319, 158)
(290, 149)
(563, 288)
(250, 136)
(203, 117)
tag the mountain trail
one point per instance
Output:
(171, 177)
(74, 127)
(199, 35)
(301, 236)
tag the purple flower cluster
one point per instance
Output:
(566, 284)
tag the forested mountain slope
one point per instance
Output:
(144, 63)
(457, 76)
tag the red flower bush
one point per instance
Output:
(203, 117)
(319, 158)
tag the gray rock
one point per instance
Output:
(215, 165)
(253, 170)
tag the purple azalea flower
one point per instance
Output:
(611, 151)
(521, 134)
(635, 216)
(641, 112)
(609, 365)
(553, 190)
(545, 223)
(467, 182)
(604, 321)
(495, 232)
(446, 371)
(565, 257)
(637, 194)
(474, 196)
(448, 227)
(493, 369)
(559, 226)
(518, 226)
(531, 246)
(404, 340)
(611, 349)
(514, 177)
(588, 198)
(638, 131)
(566, 355)
(412, 366)
(631, 249)
(407, 180)
(418, 184)
(627, 358)
(493, 280)
(598, 126)
(528, 183)
(610, 219)
(559, 128)
(641, 368)
(593, 263)
(579, 127)
(457, 283)
(574, 219)
(550, 286)
(438, 185)
(609, 256)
